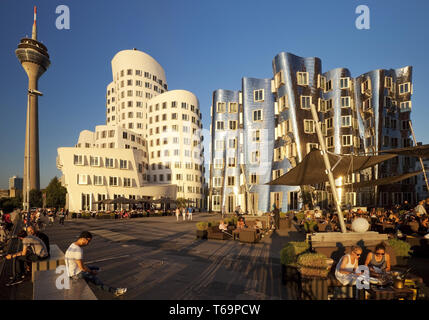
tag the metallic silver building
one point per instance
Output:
(273, 129)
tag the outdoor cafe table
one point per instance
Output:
(390, 293)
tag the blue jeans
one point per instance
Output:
(89, 277)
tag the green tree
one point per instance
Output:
(55, 194)
(36, 200)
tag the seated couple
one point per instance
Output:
(378, 263)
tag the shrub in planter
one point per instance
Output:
(313, 265)
(283, 215)
(290, 252)
(202, 226)
(300, 215)
(86, 215)
(213, 223)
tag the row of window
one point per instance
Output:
(176, 153)
(96, 180)
(141, 73)
(174, 104)
(96, 161)
(174, 116)
(175, 140)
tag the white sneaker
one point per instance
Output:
(120, 291)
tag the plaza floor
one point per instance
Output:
(160, 258)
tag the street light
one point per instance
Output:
(26, 203)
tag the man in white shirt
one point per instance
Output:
(78, 270)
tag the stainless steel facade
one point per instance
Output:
(351, 124)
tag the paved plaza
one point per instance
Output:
(160, 258)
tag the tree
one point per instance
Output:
(36, 200)
(55, 194)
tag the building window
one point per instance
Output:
(344, 83)
(220, 145)
(255, 156)
(78, 160)
(305, 102)
(233, 107)
(404, 88)
(98, 180)
(279, 79)
(127, 182)
(253, 178)
(347, 140)
(345, 102)
(346, 121)
(123, 164)
(257, 115)
(405, 106)
(388, 82)
(220, 107)
(232, 143)
(231, 181)
(302, 78)
(328, 86)
(113, 181)
(330, 142)
(258, 95)
(217, 182)
(231, 162)
(219, 125)
(82, 179)
(256, 136)
(283, 103)
(311, 146)
(232, 125)
(321, 83)
(309, 126)
(94, 161)
(109, 162)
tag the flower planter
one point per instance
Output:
(202, 234)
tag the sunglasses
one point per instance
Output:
(358, 254)
(379, 253)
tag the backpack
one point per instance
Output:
(45, 240)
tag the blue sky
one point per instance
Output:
(202, 45)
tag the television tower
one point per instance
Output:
(34, 58)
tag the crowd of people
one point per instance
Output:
(401, 219)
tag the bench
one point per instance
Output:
(44, 288)
(55, 259)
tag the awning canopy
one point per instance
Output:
(311, 170)
(416, 151)
(382, 181)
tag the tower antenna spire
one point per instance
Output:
(34, 33)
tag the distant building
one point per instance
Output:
(15, 186)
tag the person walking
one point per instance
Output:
(77, 269)
(62, 216)
(190, 213)
(184, 214)
(276, 213)
(177, 213)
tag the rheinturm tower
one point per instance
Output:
(34, 58)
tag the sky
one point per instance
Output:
(202, 45)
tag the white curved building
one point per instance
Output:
(162, 128)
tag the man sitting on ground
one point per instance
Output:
(78, 270)
(34, 249)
